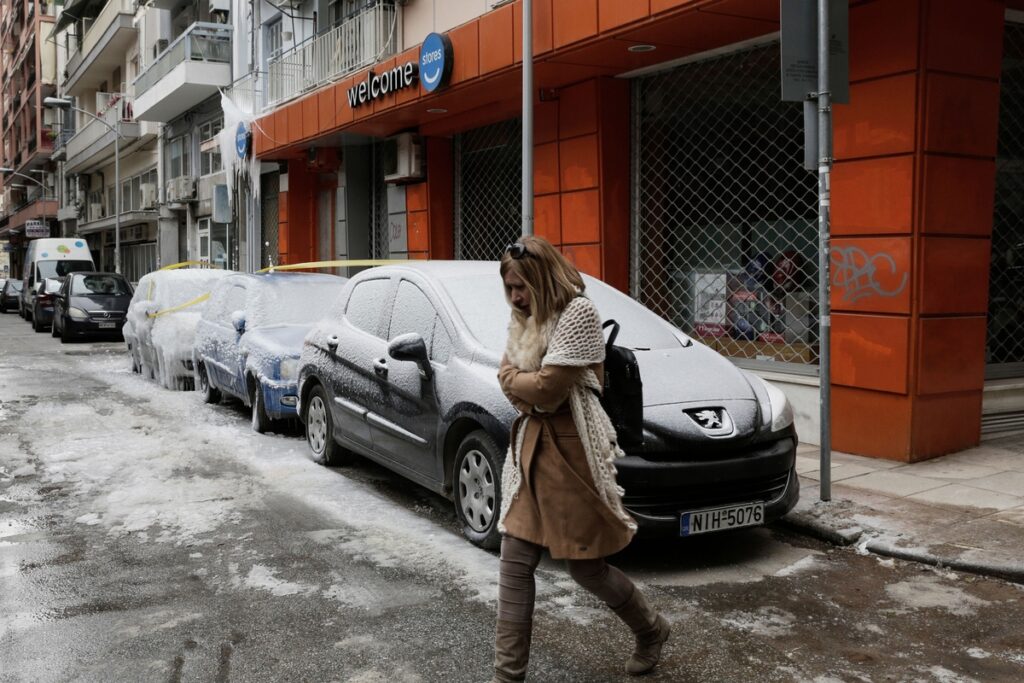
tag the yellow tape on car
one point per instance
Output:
(186, 264)
(312, 265)
(198, 300)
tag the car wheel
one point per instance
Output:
(65, 336)
(320, 430)
(209, 393)
(476, 480)
(36, 326)
(260, 420)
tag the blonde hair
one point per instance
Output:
(549, 277)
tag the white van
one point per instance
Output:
(51, 257)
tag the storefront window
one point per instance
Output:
(727, 226)
(1004, 352)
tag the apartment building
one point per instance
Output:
(28, 65)
(667, 164)
(100, 41)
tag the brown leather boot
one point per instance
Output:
(511, 651)
(651, 631)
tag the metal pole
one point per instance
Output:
(824, 201)
(117, 197)
(527, 117)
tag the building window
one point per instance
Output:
(274, 41)
(209, 154)
(178, 157)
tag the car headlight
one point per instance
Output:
(781, 410)
(289, 368)
(77, 314)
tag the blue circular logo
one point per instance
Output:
(79, 244)
(435, 61)
(242, 140)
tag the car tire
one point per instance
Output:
(260, 420)
(53, 328)
(36, 326)
(206, 390)
(65, 336)
(476, 487)
(320, 430)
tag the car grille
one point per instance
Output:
(680, 498)
(104, 316)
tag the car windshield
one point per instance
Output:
(480, 300)
(101, 285)
(61, 268)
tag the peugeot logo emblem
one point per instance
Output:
(712, 421)
(708, 419)
(105, 314)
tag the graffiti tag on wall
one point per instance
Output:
(855, 272)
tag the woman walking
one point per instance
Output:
(558, 483)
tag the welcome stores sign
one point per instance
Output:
(432, 69)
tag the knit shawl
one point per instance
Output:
(572, 339)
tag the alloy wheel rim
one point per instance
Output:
(476, 491)
(316, 425)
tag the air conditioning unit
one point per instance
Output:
(181, 189)
(159, 46)
(95, 211)
(403, 158)
(220, 6)
(148, 195)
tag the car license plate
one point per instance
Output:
(717, 519)
(106, 326)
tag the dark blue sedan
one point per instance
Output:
(250, 336)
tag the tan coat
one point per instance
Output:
(557, 506)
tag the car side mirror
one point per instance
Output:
(238, 322)
(411, 347)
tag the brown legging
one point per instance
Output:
(517, 589)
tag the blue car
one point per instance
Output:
(249, 339)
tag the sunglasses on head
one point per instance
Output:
(517, 250)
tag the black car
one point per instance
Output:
(91, 304)
(42, 304)
(404, 371)
(9, 295)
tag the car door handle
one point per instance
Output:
(380, 367)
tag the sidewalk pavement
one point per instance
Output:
(963, 511)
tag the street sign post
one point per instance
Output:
(816, 69)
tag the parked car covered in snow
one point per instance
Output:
(91, 304)
(161, 324)
(403, 370)
(249, 338)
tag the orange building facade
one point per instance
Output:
(621, 88)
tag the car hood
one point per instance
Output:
(693, 373)
(280, 340)
(97, 302)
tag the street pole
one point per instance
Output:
(117, 197)
(824, 205)
(527, 227)
(62, 103)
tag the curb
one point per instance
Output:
(811, 526)
(1007, 572)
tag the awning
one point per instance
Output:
(72, 12)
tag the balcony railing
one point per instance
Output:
(117, 109)
(249, 93)
(356, 43)
(97, 28)
(201, 42)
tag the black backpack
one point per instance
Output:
(623, 397)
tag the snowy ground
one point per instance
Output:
(146, 536)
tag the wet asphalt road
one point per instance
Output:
(146, 536)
